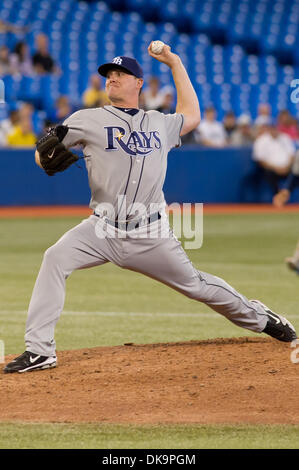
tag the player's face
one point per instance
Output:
(121, 86)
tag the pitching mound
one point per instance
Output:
(239, 380)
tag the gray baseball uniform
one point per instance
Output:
(126, 158)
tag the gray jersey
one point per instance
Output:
(126, 155)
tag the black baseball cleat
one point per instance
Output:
(277, 326)
(29, 361)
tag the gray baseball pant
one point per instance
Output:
(162, 259)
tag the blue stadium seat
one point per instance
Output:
(237, 52)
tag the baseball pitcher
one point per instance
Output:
(126, 152)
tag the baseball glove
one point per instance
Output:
(54, 156)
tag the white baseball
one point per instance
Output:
(157, 47)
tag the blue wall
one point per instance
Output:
(210, 175)
(194, 175)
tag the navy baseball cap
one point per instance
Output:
(127, 64)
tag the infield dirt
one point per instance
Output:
(237, 380)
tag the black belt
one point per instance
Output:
(133, 224)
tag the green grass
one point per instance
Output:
(121, 306)
(89, 436)
(76, 331)
(246, 250)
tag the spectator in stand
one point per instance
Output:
(275, 153)
(21, 61)
(243, 135)
(95, 96)
(46, 126)
(23, 135)
(153, 96)
(264, 118)
(229, 123)
(62, 110)
(7, 126)
(42, 61)
(26, 110)
(11, 28)
(5, 65)
(286, 124)
(167, 106)
(211, 132)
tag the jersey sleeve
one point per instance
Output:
(76, 129)
(174, 124)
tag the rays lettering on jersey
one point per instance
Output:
(137, 142)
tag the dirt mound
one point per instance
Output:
(237, 380)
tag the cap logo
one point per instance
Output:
(117, 60)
